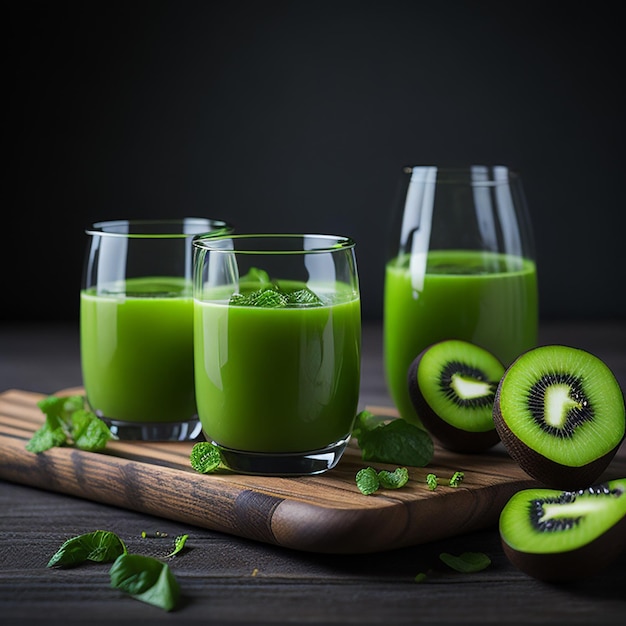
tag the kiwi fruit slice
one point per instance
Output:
(560, 414)
(452, 386)
(561, 536)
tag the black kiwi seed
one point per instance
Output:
(560, 414)
(452, 386)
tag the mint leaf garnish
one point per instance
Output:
(396, 441)
(467, 562)
(393, 480)
(432, 481)
(205, 457)
(101, 546)
(456, 479)
(367, 480)
(147, 579)
(304, 297)
(68, 422)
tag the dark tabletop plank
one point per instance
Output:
(229, 580)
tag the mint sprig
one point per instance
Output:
(69, 423)
(396, 441)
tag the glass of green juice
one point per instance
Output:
(136, 326)
(277, 345)
(461, 266)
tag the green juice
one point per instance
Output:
(137, 350)
(278, 379)
(488, 299)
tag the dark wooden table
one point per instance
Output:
(229, 580)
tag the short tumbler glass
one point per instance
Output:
(277, 332)
(136, 326)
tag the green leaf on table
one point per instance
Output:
(68, 422)
(50, 435)
(100, 545)
(367, 480)
(205, 457)
(179, 544)
(396, 441)
(89, 432)
(467, 562)
(146, 579)
(456, 479)
(394, 480)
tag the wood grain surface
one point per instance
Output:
(325, 513)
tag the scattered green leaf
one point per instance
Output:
(68, 422)
(101, 546)
(179, 544)
(456, 479)
(467, 562)
(421, 577)
(205, 457)
(396, 441)
(367, 480)
(146, 579)
(432, 481)
(394, 480)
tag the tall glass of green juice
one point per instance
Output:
(136, 326)
(461, 266)
(277, 344)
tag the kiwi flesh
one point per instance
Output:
(560, 414)
(452, 386)
(562, 536)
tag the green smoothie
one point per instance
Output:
(488, 299)
(278, 378)
(137, 350)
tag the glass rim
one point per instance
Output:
(497, 173)
(206, 226)
(335, 243)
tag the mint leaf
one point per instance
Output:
(205, 457)
(467, 562)
(146, 579)
(367, 480)
(456, 479)
(100, 546)
(69, 423)
(394, 480)
(257, 276)
(432, 481)
(304, 297)
(50, 435)
(89, 432)
(396, 441)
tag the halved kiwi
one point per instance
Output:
(560, 413)
(452, 386)
(560, 536)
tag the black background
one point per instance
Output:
(298, 116)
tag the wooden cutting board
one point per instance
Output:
(325, 513)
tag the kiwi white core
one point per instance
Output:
(561, 438)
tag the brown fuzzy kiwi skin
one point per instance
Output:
(564, 567)
(548, 472)
(449, 437)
